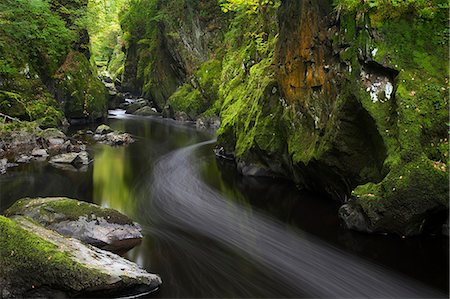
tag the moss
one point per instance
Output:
(407, 198)
(30, 262)
(83, 93)
(71, 209)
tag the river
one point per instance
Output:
(210, 232)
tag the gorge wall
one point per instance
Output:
(45, 73)
(326, 94)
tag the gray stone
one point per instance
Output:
(3, 165)
(101, 227)
(39, 152)
(147, 111)
(103, 129)
(80, 158)
(85, 269)
(353, 218)
(23, 159)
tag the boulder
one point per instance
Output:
(38, 262)
(101, 227)
(134, 106)
(147, 111)
(39, 152)
(80, 158)
(103, 129)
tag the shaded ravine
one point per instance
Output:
(307, 265)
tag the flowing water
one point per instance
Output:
(210, 232)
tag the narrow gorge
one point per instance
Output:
(246, 142)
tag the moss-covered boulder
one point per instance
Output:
(101, 227)
(38, 262)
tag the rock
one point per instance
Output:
(354, 218)
(101, 227)
(182, 116)
(103, 129)
(52, 133)
(114, 138)
(80, 158)
(55, 141)
(38, 262)
(23, 159)
(3, 165)
(147, 111)
(138, 104)
(39, 152)
(204, 123)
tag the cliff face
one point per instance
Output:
(167, 42)
(33, 53)
(348, 101)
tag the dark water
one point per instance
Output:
(211, 233)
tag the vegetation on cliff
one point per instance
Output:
(35, 38)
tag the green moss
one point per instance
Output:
(83, 93)
(32, 262)
(71, 209)
(189, 100)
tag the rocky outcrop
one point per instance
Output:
(38, 262)
(101, 227)
(169, 54)
(334, 106)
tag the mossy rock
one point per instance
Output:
(36, 262)
(83, 94)
(104, 228)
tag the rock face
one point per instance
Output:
(334, 106)
(89, 223)
(38, 262)
(325, 93)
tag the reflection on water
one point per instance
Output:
(192, 262)
(111, 176)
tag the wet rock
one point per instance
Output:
(38, 262)
(106, 135)
(147, 111)
(182, 116)
(354, 218)
(3, 165)
(103, 129)
(56, 141)
(138, 104)
(39, 152)
(23, 159)
(101, 227)
(80, 158)
(212, 123)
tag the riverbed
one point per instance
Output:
(209, 232)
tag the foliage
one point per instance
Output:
(249, 6)
(30, 31)
(389, 9)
